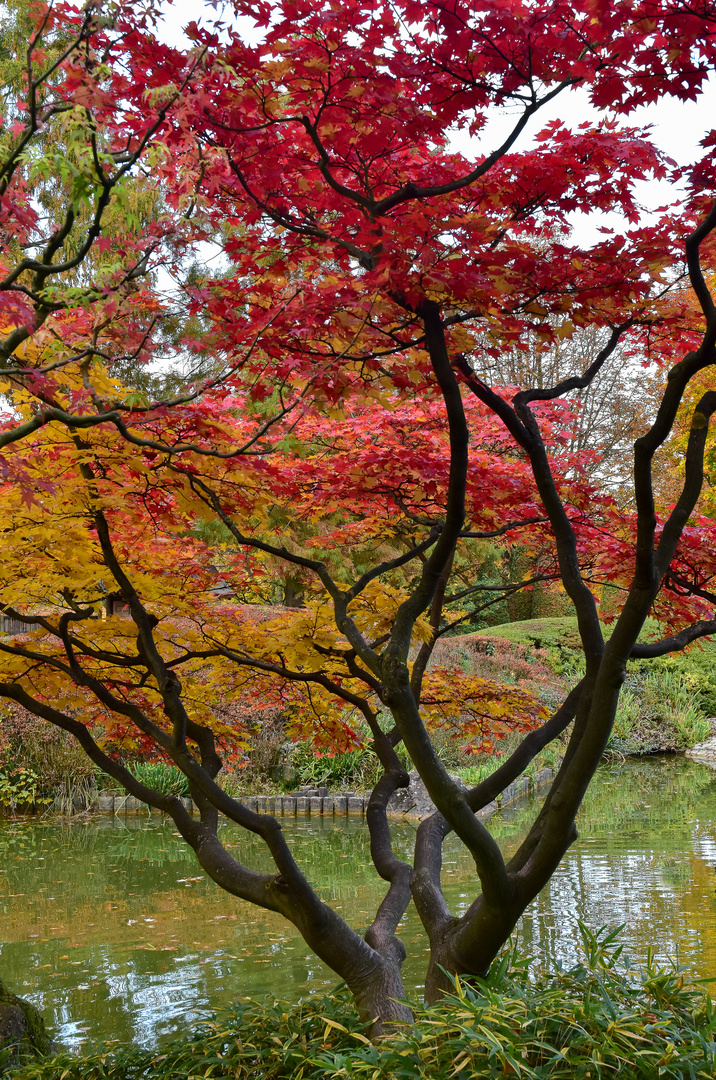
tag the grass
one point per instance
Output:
(597, 1019)
(41, 767)
(483, 765)
(537, 633)
(166, 779)
(657, 712)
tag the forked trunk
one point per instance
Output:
(467, 947)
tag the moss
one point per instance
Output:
(554, 631)
(26, 1035)
(539, 633)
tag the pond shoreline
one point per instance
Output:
(110, 929)
(341, 805)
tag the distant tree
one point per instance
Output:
(610, 413)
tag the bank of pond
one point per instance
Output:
(109, 927)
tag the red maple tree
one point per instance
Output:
(371, 271)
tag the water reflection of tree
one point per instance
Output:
(205, 946)
(610, 878)
(82, 885)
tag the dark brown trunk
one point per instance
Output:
(380, 1001)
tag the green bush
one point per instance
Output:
(665, 702)
(481, 766)
(19, 786)
(697, 667)
(547, 634)
(57, 770)
(355, 768)
(597, 1019)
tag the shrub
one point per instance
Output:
(355, 768)
(657, 713)
(67, 775)
(664, 703)
(19, 786)
(697, 667)
(265, 751)
(480, 766)
(58, 771)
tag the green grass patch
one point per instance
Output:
(483, 765)
(537, 633)
(166, 779)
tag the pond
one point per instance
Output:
(113, 931)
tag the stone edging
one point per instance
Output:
(528, 785)
(332, 805)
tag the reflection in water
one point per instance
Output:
(112, 930)
(646, 858)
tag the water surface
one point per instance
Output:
(114, 932)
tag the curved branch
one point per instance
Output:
(698, 282)
(494, 402)
(247, 884)
(413, 191)
(676, 642)
(392, 564)
(693, 482)
(577, 382)
(381, 933)
(489, 534)
(427, 891)
(488, 789)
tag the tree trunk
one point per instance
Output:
(380, 1001)
(468, 946)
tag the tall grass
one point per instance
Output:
(55, 768)
(657, 712)
(166, 779)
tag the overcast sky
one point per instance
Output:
(678, 128)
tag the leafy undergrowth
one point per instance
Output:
(509, 655)
(658, 711)
(665, 703)
(599, 1019)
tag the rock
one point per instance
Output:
(414, 800)
(22, 1029)
(705, 752)
(283, 773)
